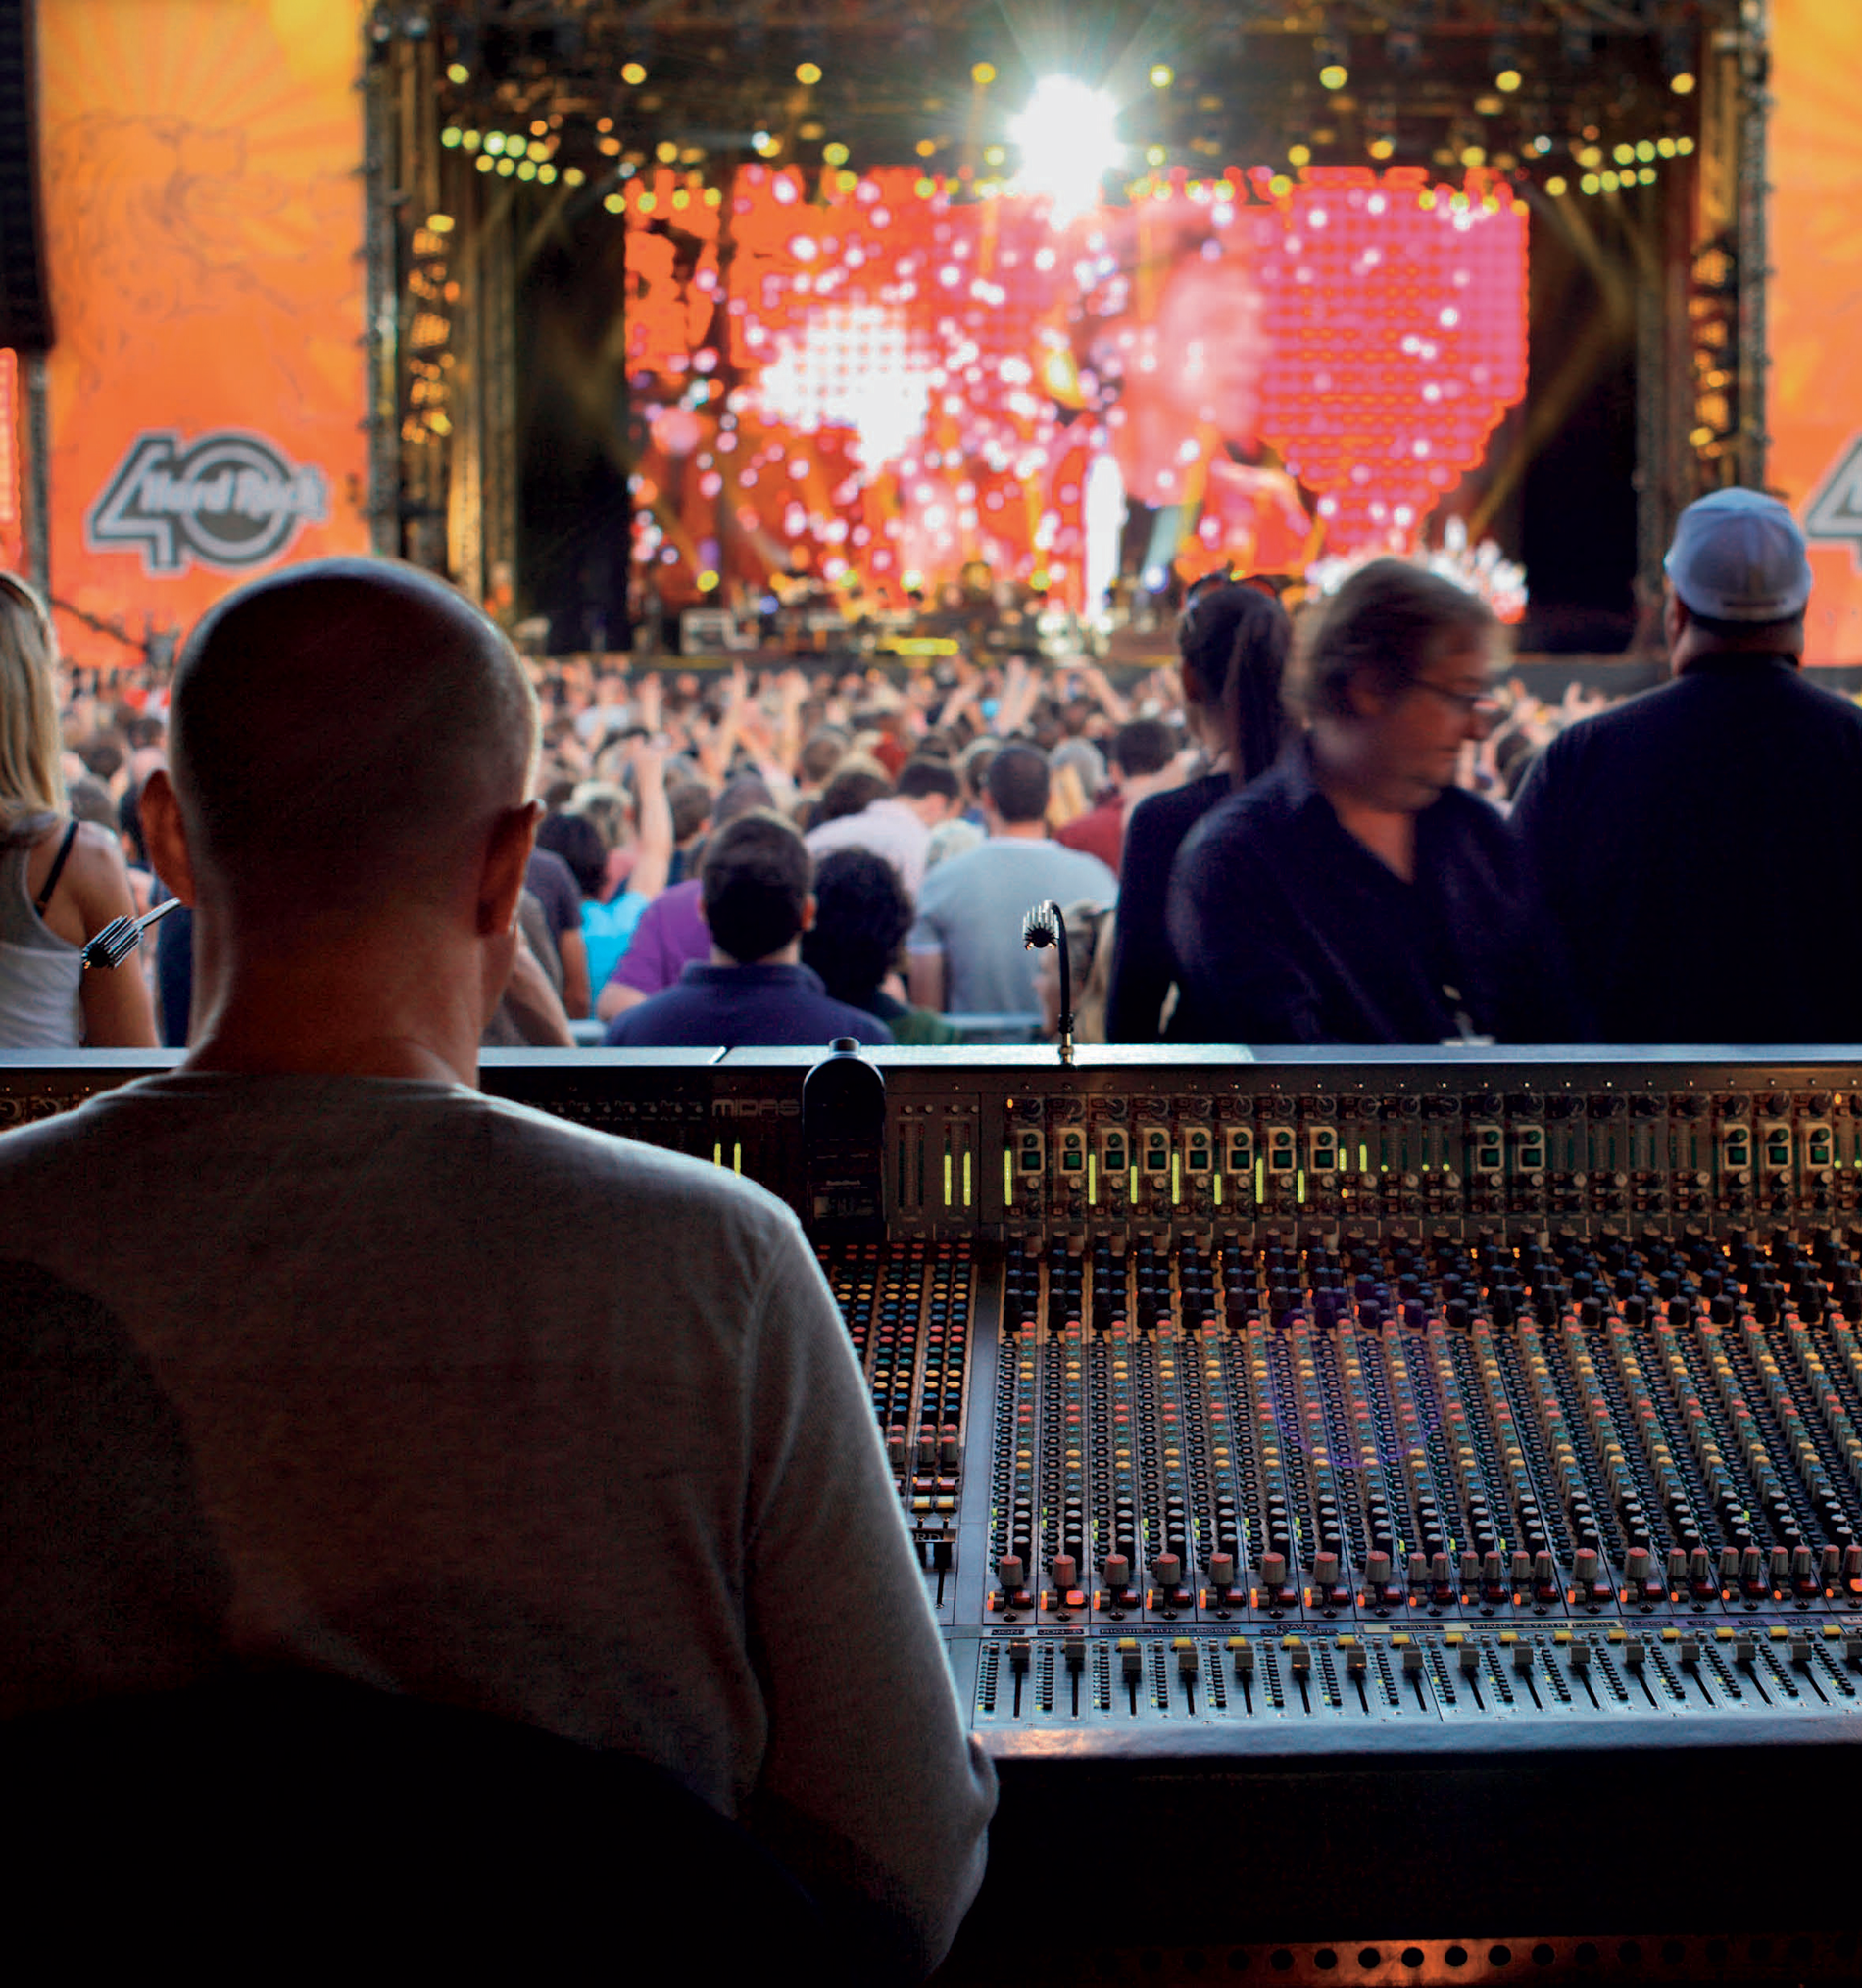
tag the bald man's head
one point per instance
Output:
(343, 732)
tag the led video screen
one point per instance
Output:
(863, 380)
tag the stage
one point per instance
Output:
(731, 318)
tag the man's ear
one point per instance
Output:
(1674, 617)
(807, 913)
(166, 835)
(500, 875)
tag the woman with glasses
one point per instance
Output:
(1356, 894)
(60, 882)
(1233, 641)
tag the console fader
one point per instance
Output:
(1454, 1462)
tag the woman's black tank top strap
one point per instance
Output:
(57, 870)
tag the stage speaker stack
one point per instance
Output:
(25, 301)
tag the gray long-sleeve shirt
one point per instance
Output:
(494, 1409)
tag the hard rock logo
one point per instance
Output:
(229, 500)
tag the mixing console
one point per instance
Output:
(1339, 1418)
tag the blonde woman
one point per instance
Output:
(60, 881)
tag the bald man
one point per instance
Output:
(481, 1405)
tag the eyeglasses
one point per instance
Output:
(1481, 703)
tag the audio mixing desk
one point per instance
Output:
(1379, 1511)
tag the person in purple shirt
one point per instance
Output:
(753, 992)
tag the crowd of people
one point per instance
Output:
(433, 1393)
(1345, 825)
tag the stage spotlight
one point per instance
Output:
(1068, 138)
(1162, 75)
(1508, 80)
(1682, 82)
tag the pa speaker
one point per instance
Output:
(26, 303)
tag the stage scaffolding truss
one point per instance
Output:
(1650, 109)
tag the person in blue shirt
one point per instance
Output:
(756, 883)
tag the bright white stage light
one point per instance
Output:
(1068, 140)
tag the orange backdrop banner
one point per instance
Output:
(1815, 305)
(204, 228)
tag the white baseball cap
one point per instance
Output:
(1738, 555)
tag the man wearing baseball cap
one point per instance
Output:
(1701, 845)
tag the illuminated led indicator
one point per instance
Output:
(983, 74)
(967, 1177)
(737, 1159)
(1162, 75)
(1334, 76)
(947, 1177)
(807, 72)
(458, 73)
(1508, 80)
(1093, 1178)
(632, 72)
(1682, 84)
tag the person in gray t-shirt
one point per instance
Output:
(482, 1406)
(966, 954)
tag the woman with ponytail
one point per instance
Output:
(60, 881)
(1232, 640)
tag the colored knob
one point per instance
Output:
(1545, 1573)
(1222, 1569)
(1585, 1568)
(1168, 1570)
(1492, 1571)
(1012, 1574)
(1377, 1568)
(1781, 1566)
(1640, 1566)
(1118, 1571)
(1521, 1567)
(1325, 1571)
(1065, 1570)
(1273, 1571)
(1442, 1571)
